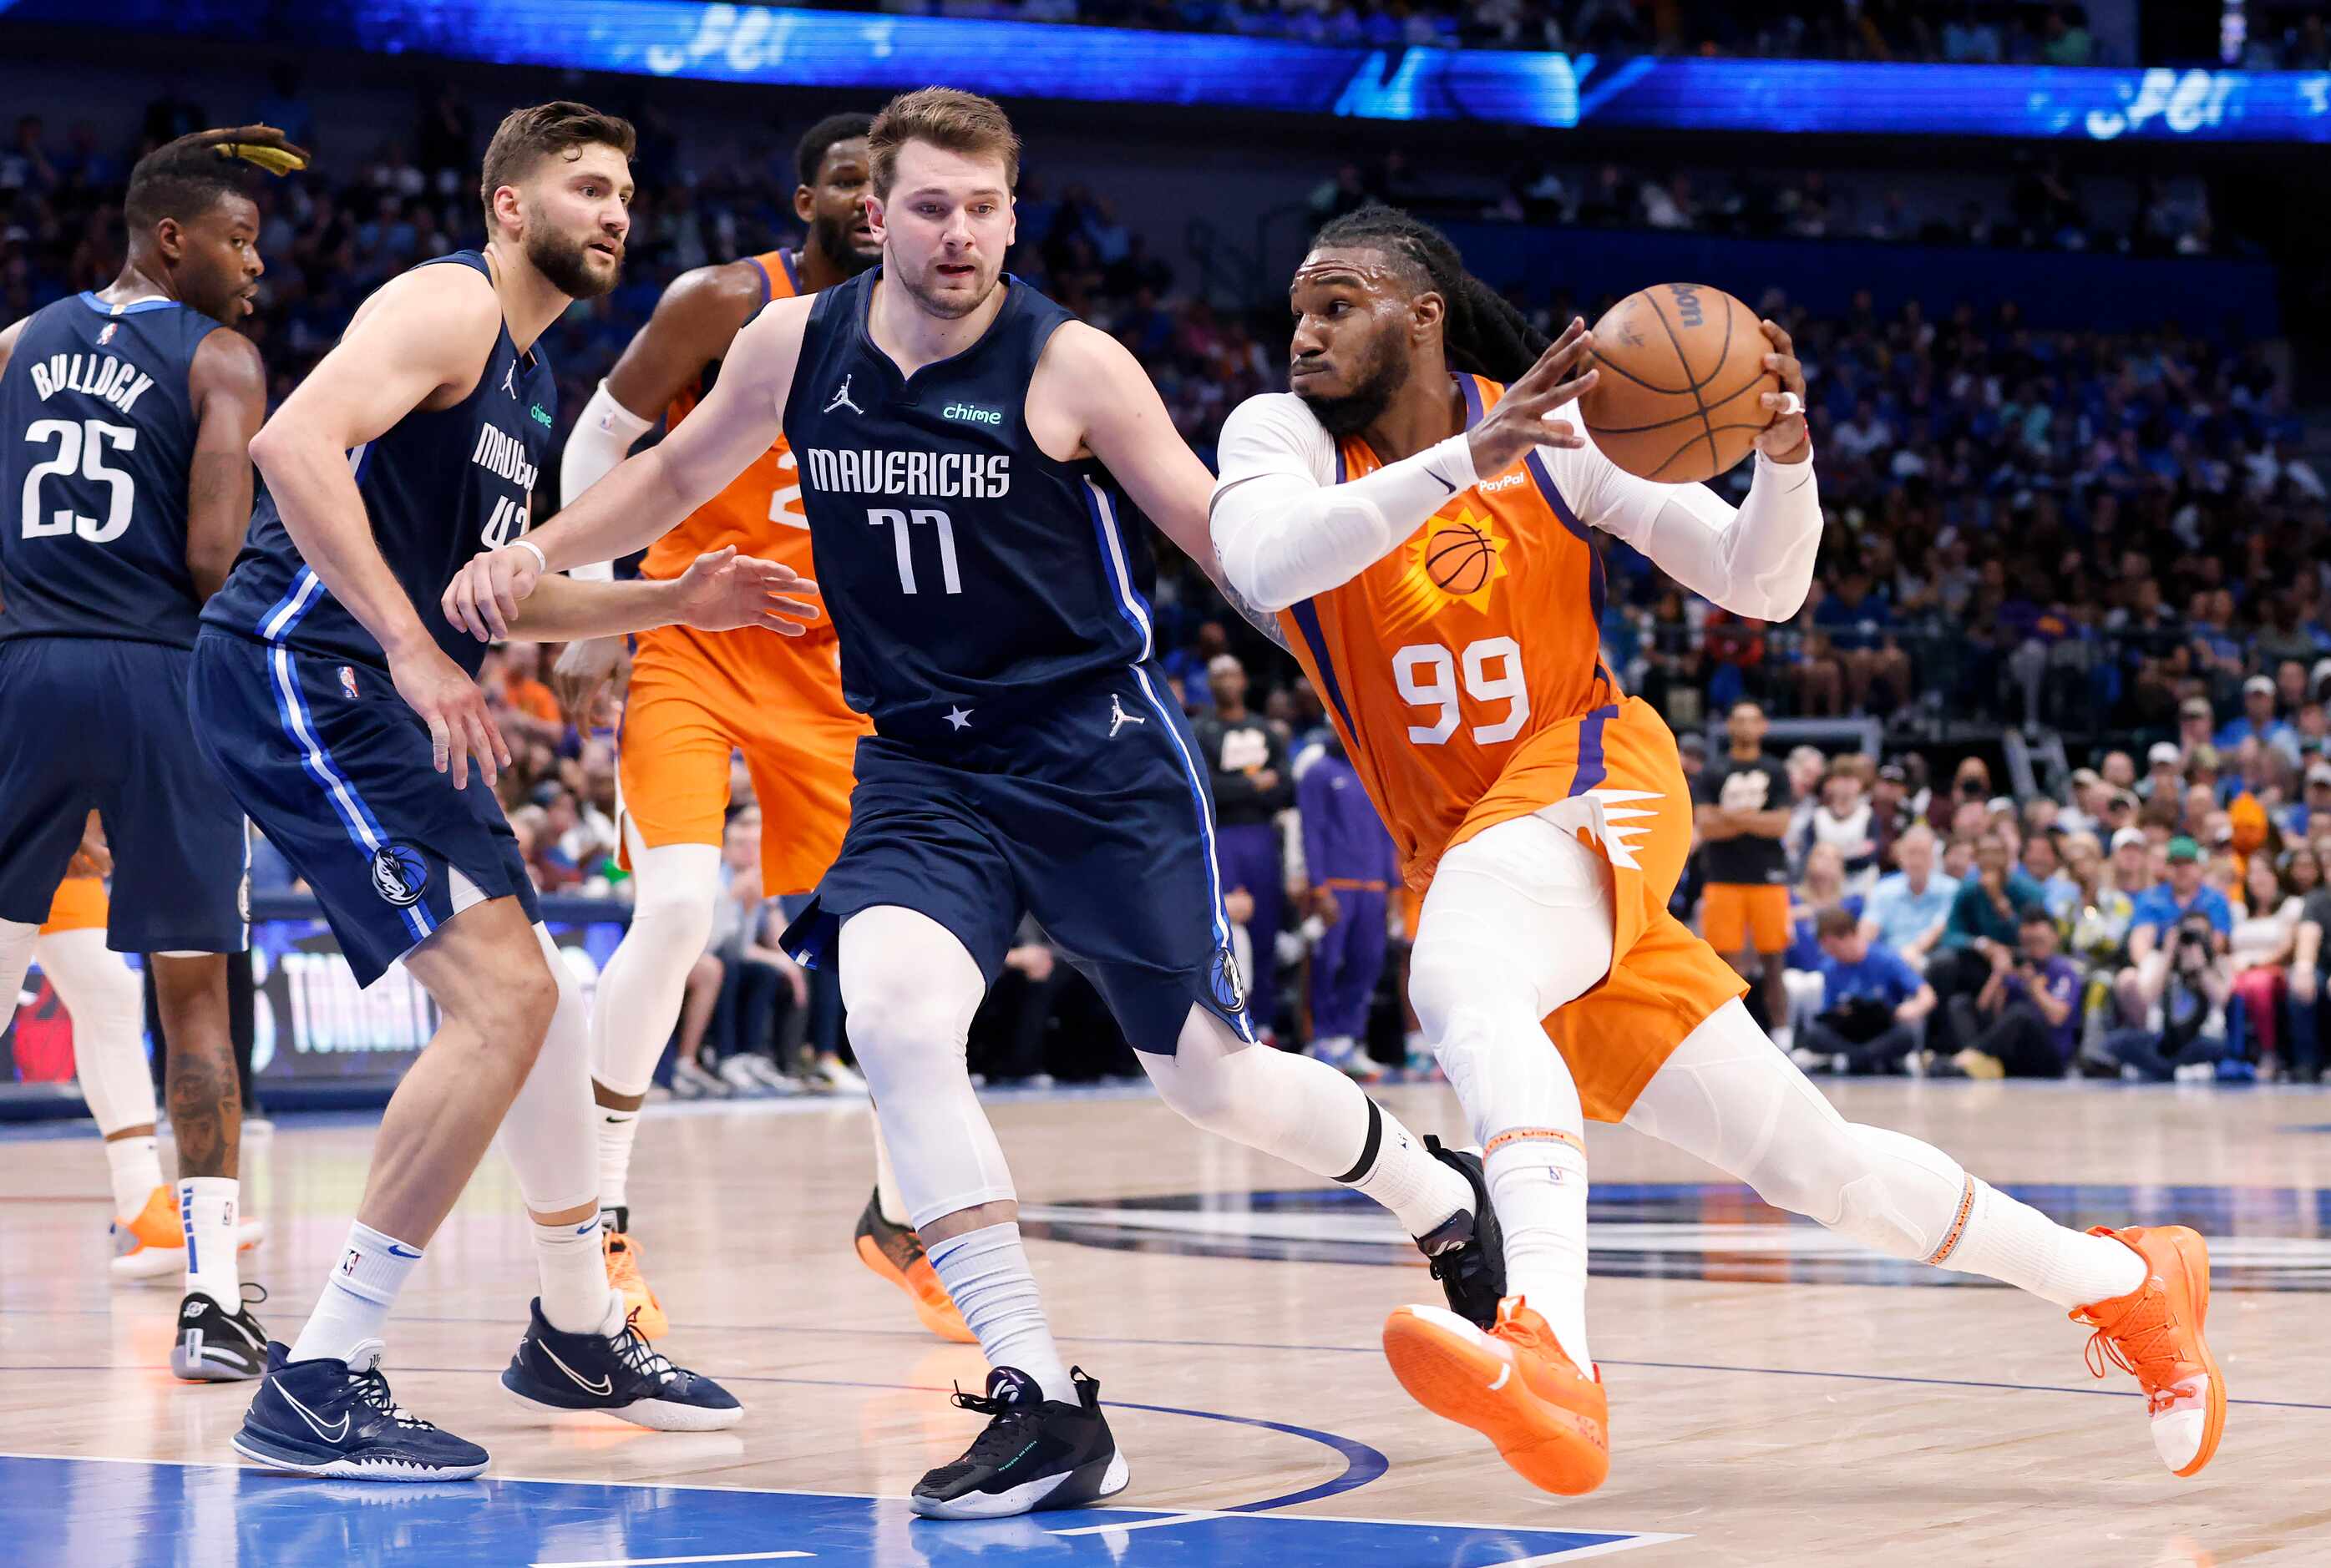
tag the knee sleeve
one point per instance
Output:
(548, 1134)
(16, 939)
(108, 1021)
(640, 991)
(910, 989)
(1517, 923)
(1301, 1110)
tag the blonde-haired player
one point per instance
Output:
(1545, 813)
(696, 696)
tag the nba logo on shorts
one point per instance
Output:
(399, 874)
(348, 681)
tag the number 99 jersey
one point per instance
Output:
(96, 433)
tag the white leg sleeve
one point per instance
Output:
(640, 989)
(16, 940)
(912, 989)
(1728, 1096)
(108, 1020)
(548, 1134)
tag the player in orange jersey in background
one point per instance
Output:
(1427, 535)
(696, 696)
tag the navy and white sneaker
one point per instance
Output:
(618, 1374)
(215, 1346)
(1036, 1453)
(325, 1417)
(1467, 1252)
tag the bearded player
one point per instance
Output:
(1543, 814)
(695, 696)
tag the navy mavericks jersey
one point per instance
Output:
(962, 566)
(97, 434)
(438, 487)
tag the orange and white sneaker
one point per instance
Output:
(896, 1253)
(2155, 1332)
(153, 1246)
(640, 1304)
(1513, 1384)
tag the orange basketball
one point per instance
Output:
(1683, 369)
(1457, 557)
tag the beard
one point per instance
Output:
(565, 261)
(952, 308)
(1379, 381)
(831, 238)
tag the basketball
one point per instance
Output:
(1683, 369)
(1457, 557)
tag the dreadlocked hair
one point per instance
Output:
(1483, 333)
(182, 179)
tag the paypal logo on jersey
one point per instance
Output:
(976, 415)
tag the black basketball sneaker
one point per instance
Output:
(215, 1346)
(1036, 1453)
(325, 1417)
(617, 1374)
(1467, 1252)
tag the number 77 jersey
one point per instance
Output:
(1464, 671)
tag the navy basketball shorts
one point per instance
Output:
(338, 773)
(98, 725)
(1086, 810)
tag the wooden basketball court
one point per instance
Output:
(1775, 1398)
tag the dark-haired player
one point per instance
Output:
(967, 449)
(696, 697)
(335, 703)
(124, 415)
(1542, 813)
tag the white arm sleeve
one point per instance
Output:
(1755, 561)
(1285, 530)
(602, 436)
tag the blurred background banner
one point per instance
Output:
(800, 48)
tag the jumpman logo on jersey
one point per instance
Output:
(510, 378)
(841, 399)
(1118, 719)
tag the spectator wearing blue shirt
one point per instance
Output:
(2138, 986)
(1872, 1003)
(2026, 1020)
(1986, 916)
(1907, 910)
(2257, 720)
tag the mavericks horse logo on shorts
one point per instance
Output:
(1227, 989)
(399, 874)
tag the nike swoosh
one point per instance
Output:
(606, 1385)
(397, 1251)
(310, 1417)
(1444, 483)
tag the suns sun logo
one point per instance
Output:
(1451, 559)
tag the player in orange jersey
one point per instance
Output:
(1428, 535)
(696, 696)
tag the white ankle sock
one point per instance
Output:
(2011, 1241)
(1397, 1171)
(986, 1272)
(358, 1293)
(137, 1171)
(887, 1200)
(617, 1131)
(575, 1288)
(1540, 1188)
(206, 1210)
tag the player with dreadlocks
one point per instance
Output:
(124, 415)
(1427, 534)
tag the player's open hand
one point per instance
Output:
(1525, 416)
(449, 703)
(93, 859)
(483, 597)
(722, 591)
(585, 668)
(1785, 440)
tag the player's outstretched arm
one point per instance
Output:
(228, 384)
(719, 591)
(648, 494)
(427, 332)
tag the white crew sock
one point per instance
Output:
(1539, 1187)
(886, 1181)
(617, 1131)
(2009, 1240)
(575, 1288)
(1403, 1176)
(206, 1210)
(137, 1171)
(357, 1295)
(986, 1273)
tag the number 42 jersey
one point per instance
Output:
(96, 433)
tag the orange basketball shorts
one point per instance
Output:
(1613, 775)
(81, 905)
(695, 698)
(1735, 913)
